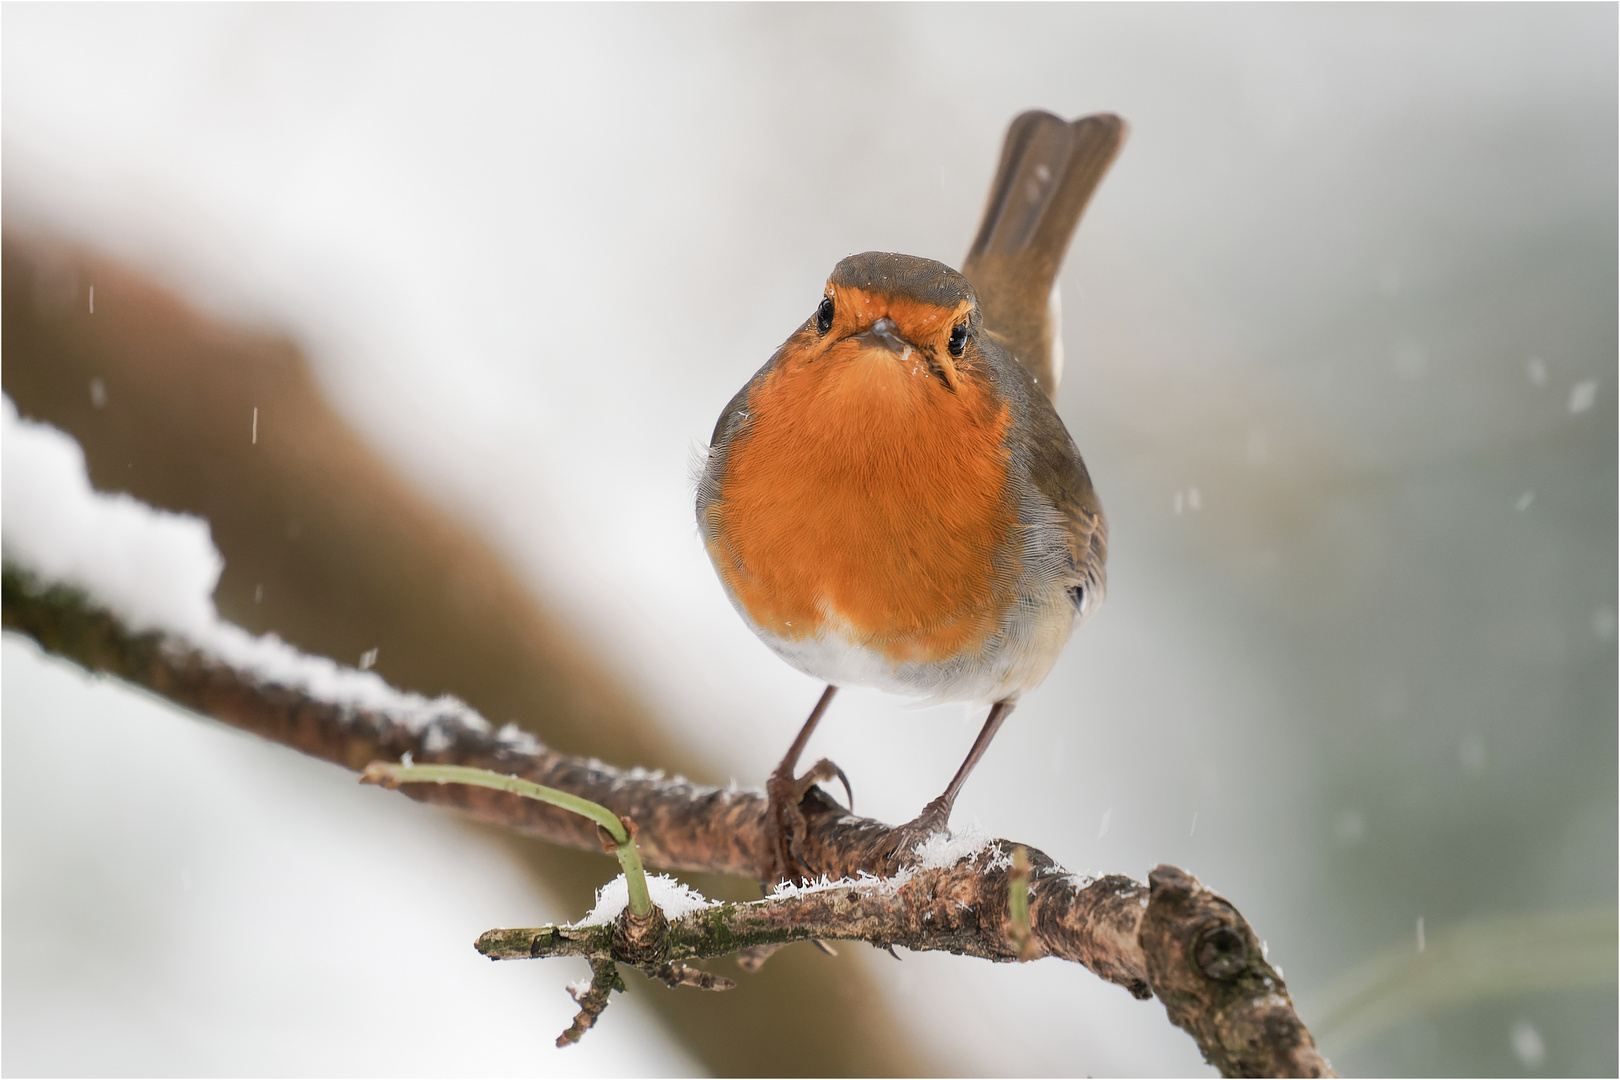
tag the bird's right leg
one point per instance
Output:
(784, 821)
(936, 815)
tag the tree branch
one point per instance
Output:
(327, 546)
(1171, 938)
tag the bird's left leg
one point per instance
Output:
(937, 814)
(783, 858)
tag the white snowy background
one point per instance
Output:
(1345, 303)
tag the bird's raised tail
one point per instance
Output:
(1049, 168)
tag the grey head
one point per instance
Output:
(906, 276)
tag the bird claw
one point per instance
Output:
(824, 770)
(935, 818)
(784, 819)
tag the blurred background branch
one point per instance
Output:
(327, 547)
(1473, 961)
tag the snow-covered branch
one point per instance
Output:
(1170, 938)
(72, 585)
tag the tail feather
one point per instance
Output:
(1049, 169)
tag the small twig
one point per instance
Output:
(639, 935)
(753, 958)
(605, 979)
(676, 975)
(1018, 904)
(620, 831)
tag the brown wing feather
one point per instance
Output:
(1057, 471)
(1049, 169)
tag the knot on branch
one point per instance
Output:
(641, 940)
(1223, 952)
(1206, 966)
(610, 846)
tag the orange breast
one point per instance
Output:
(864, 491)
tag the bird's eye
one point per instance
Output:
(824, 314)
(958, 340)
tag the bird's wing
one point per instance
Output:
(1049, 169)
(1058, 473)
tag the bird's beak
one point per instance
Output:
(884, 334)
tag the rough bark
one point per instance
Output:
(1170, 938)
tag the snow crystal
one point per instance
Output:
(887, 886)
(1067, 878)
(157, 571)
(674, 898)
(945, 849)
(1528, 1045)
(1582, 395)
(518, 739)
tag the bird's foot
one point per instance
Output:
(904, 839)
(785, 824)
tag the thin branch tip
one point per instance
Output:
(605, 979)
(381, 774)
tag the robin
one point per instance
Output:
(892, 500)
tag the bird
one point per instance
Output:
(892, 500)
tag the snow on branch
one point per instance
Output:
(123, 589)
